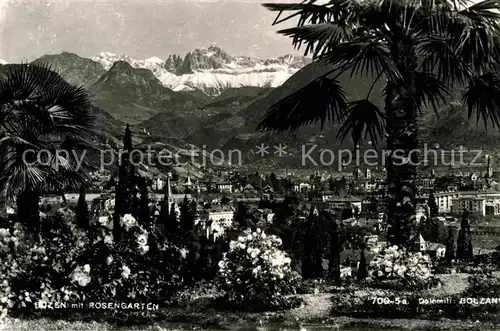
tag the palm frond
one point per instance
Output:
(482, 96)
(439, 58)
(431, 91)
(40, 112)
(309, 11)
(364, 58)
(362, 117)
(484, 11)
(67, 180)
(319, 37)
(471, 31)
(321, 100)
(435, 17)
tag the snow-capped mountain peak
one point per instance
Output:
(106, 59)
(212, 69)
(3, 61)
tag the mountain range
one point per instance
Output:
(212, 70)
(213, 100)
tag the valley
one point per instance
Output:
(213, 100)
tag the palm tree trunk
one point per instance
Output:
(402, 144)
(28, 212)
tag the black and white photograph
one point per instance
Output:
(250, 165)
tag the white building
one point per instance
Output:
(337, 202)
(474, 205)
(303, 187)
(216, 221)
(225, 187)
(478, 202)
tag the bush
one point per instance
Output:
(410, 269)
(256, 275)
(33, 271)
(136, 269)
(74, 266)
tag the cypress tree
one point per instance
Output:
(362, 271)
(124, 191)
(220, 246)
(450, 247)
(193, 209)
(464, 242)
(318, 251)
(168, 220)
(204, 262)
(190, 272)
(174, 214)
(433, 207)
(241, 216)
(186, 216)
(334, 261)
(82, 211)
(309, 242)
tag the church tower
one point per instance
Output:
(168, 198)
(419, 245)
(188, 180)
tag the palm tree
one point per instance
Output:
(419, 51)
(44, 125)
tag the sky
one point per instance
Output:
(138, 28)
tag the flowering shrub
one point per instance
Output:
(397, 264)
(75, 266)
(255, 273)
(136, 268)
(31, 271)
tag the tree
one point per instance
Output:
(414, 52)
(190, 271)
(40, 111)
(464, 241)
(204, 262)
(334, 261)
(125, 191)
(450, 247)
(362, 271)
(433, 207)
(187, 216)
(225, 201)
(308, 270)
(347, 213)
(168, 219)
(144, 215)
(82, 210)
(241, 216)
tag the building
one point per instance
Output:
(478, 202)
(435, 250)
(225, 187)
(473, 204)
(158, 184)
(337, 202)
(302, 187)
(220, 215)
(216, 221)
(422, 213)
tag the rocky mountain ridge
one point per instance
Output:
(212, 70)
